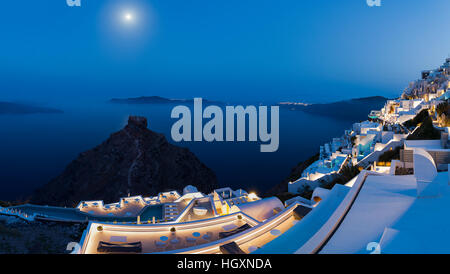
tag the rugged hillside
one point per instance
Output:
(281, 189)
(133, 160)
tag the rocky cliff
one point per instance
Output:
(133, 160)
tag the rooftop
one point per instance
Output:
(387, 211)
(425, 144)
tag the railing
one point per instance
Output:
(185, 211)
(17, 213)
(242, 237)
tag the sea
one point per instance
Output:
(35, 148)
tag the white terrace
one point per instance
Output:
(263, 219)
(127, 206)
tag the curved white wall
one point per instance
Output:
(263, 209)
(424, 166)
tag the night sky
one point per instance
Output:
(242, 50)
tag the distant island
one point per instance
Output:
(154, 100)
(18, 108)
(353, 109)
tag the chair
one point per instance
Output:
(300, 211)
(135, 247)
(175, 242)
(190, 241)
(208, 236)
(160, 245)
(234, 231)
(231, 248)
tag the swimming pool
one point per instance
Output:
(151, 211)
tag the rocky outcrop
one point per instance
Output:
(135, 161)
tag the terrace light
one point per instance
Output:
(253, 196)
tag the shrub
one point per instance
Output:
(404, 171)
(426, 131)
(307, 192)
(347, 173)
(443, 108)
(390, 155)
(352, 139)
(5, 204)
(420, 117)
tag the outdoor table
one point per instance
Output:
(191, 240)
(275, 232)
(164, 238)
(160, 244)
(206, 237)
(252, 248)
(196, 234)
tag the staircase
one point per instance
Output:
(170, 212)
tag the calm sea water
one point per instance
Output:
(35, 148)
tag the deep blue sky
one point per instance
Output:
(224, 50)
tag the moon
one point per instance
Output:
(128, 17)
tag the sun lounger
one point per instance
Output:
(208, 236)
(119, 247)
(200, 211)
(234, 231)
(231, 248)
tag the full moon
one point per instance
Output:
(128, 17)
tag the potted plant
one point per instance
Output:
(172, 229)
(99, 228)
